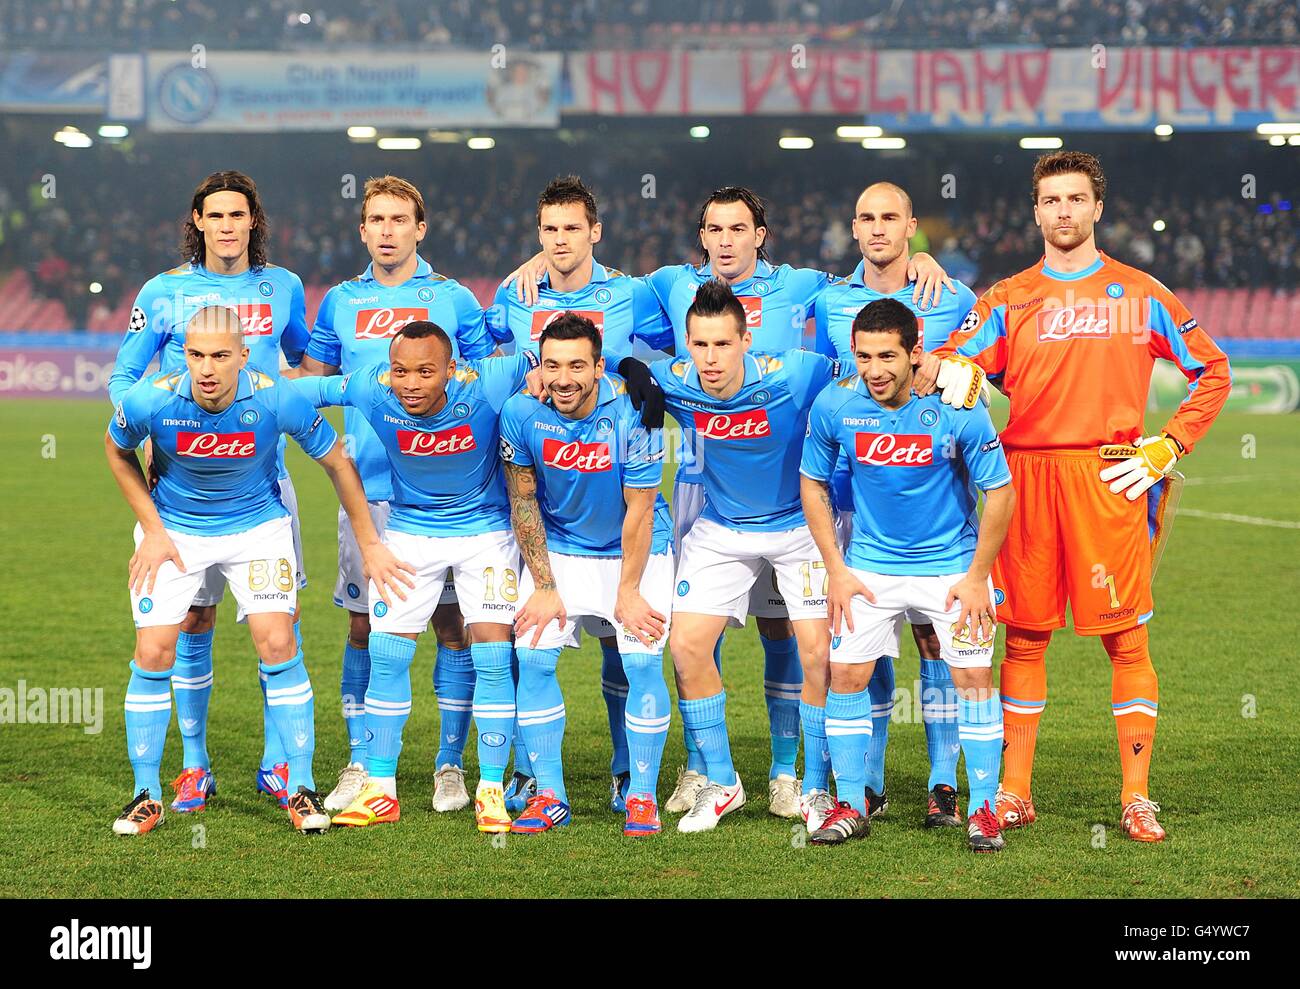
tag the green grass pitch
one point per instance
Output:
(1224, 641)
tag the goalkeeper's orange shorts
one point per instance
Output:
(1072, 540)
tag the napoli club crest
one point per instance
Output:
(682, 587)
(266, 289)
(604, 425)
(248, 417)
(1115, 290)
(603, 295)
(460, 410)
(929, 417)
(381, 609)
(425, 294)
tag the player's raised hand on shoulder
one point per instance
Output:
(978, 615)
(929, 278)
(387, 571)
(527, 277)
(155, 549)
(841, 588)
(542, 607)
(533, 382)
(634, 613)
(923, 378)
(643, 391)
(961, 381)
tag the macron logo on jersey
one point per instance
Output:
(733, 426)
(586, 457)
(215, 444)
(895, 449)
(382, 324)
(1080, 321)
(256, 317)
(543, 318)
(413, 443)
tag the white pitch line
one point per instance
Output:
(1247, 519)
(1233, 479)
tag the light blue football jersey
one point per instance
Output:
(217, 471)
(583, 465)
(624, 309)
(356, 324)
(271, 307)
(839, 305)
(445, 468)
(914, 474)
(748, 446)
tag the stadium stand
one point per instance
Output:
(560, 25)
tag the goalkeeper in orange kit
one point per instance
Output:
(1072, 341)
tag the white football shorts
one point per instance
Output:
(485, 568)
(588, 587)
(350, 587)
(213, 589)
(258, 563)
(765, 600)
(876, 627)
(719, 567)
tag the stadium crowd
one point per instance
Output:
(574, 24)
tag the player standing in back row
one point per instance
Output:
(883, 223)
(357, 321)
(1072, 341)
(224, 247)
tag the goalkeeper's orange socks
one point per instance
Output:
(1023, 687)
(1135, 694)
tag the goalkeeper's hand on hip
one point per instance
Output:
(1140, 465)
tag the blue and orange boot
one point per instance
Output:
(543, 812)
(642, 817)
(275, 782)
(193, 787)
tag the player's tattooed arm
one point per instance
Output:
(544, 605)
(526, 518)
(841, 584)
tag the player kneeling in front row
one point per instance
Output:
(596, 535)
(438, 422)
(215, 430)
(917, 544)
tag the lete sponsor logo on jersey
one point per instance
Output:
(256, 317)
(381, 324)
(585, 457)
(543, 318)
(894, 449)
(216, 444)
(753, 306)
(413, 443)
(1085, 320)
(733, 425)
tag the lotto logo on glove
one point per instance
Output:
(960, 382)
(1139, 466)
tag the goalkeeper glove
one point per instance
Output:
(1141, 465)
(646, 395)
(960, 381)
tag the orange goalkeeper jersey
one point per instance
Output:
(1074, 353)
